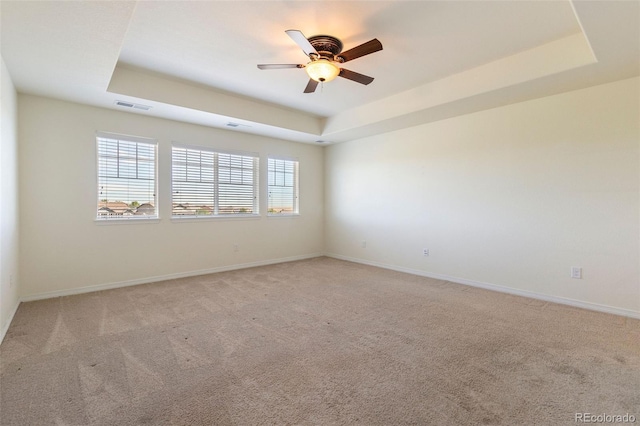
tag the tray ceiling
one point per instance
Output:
(196, 61)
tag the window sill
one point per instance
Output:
(192, 219)
(135, 221)
(283, 215)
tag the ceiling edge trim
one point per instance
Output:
(539, 62)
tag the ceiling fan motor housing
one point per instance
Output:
(327, 46)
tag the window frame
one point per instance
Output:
(216, 215)
(132, 218)
(296, 186)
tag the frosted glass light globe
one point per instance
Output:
(322, 70)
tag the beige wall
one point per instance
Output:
(64, 249)
(8, 200)
(511, 197)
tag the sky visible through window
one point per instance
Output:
(211, 183)
(126, 171)
(203, 182)
(282, 186)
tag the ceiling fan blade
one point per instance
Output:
(357, 77)
(311, 86)
(301, 41)
(362, 50)
(279, 66)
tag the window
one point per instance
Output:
(207, 183)
(283, 186)
(126, 178)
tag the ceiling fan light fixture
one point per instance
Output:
(326, 58)
(322, 70)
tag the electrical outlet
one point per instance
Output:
(364, 244)
(425, 252)
(576, 272)
(236, 247)
(11, 281)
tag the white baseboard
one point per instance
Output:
(5, 327)
(502, 289)
(108, 286)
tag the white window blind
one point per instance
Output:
(126, 178)
(283, 186)
(207, 183)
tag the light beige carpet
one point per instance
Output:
(314, 342)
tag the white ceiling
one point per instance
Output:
(195, 61)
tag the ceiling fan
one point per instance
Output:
(325, 57)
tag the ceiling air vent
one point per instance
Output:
(132, 105)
